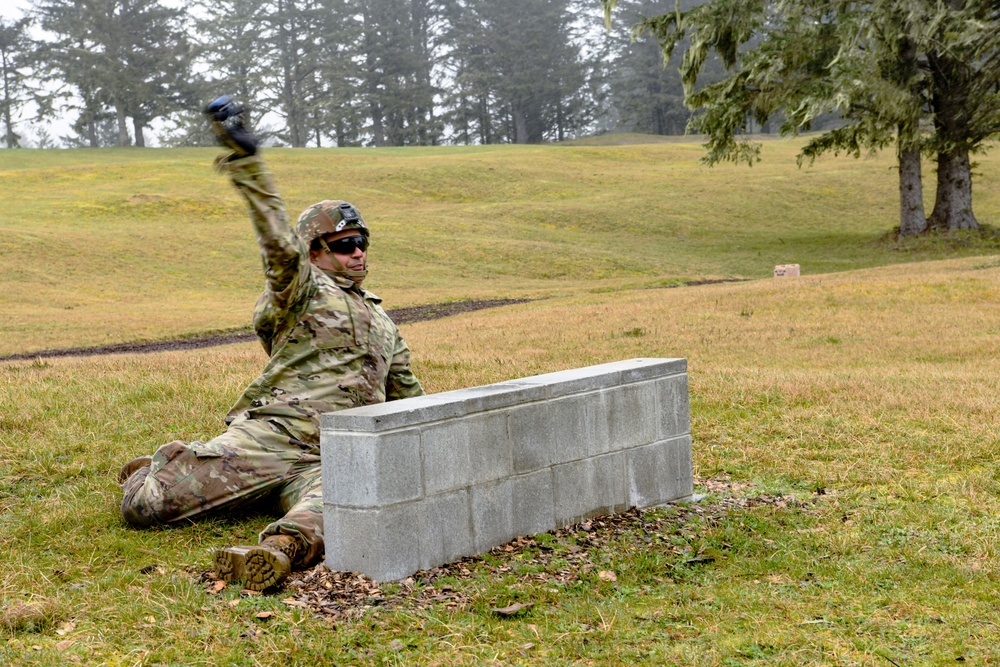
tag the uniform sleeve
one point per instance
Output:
(285, 257)
(401, 382)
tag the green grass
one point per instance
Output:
(854, 393)
(163, 242)
(867, 397)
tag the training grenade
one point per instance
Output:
(231, 118)
(224, 108)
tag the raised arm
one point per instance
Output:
(285, 257)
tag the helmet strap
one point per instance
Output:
(341, 270)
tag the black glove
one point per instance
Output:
(228, 119)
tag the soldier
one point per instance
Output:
(331, 347)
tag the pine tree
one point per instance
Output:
(129, 55)
(889, 68)
(16, 68)
(518, 75)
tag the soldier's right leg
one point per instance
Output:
(184, 481)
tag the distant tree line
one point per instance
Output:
(336, 72)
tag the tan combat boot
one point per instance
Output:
(132, 466)
(260, 567)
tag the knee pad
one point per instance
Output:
(136, 508)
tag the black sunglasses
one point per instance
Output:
(344, 246)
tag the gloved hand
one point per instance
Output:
(228, 118)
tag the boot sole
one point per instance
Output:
(257, 568)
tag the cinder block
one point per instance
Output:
(620, 418)
(404, 413)
(674, 406)
(654, 474)
(362, 470)
(533, 503)
(490, 451)
(444, 451)
(602, 376)
(576, 380)
(555, 431)
(640, 370)
(448, 529)
(497, 396)
(786, 271)
(492, 515)
(684, 467)
(460, 452)
(376, 542)
(430, 408)
(589, 487)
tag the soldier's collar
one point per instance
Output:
(348, 284)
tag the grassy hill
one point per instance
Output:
(844, 423)
(162, 242)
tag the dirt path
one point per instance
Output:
(399, 316)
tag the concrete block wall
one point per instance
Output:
(413, 484)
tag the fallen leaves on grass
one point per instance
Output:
(561, 556)
(512, 610)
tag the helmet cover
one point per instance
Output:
(328, 217)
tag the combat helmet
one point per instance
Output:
(329, 217)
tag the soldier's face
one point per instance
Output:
(336, 262)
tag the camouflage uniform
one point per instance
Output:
(331, 347)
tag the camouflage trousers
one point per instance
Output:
(255, 463)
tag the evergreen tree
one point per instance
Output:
(17, 67)
(129, 55)
(397, 51)
(647, 94)
(340, 114)
(518, 75)
(888, 67)
(230, 35)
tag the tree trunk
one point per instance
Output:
(92, 139)
(8, 127)
(953, 206)
(341, 132)
(140, 138)
(8, 121)
(952, 121)
(378, 129)
(520, 125)
(485, 120)
(912, 220)
(123, 138)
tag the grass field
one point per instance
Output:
(867, 396)
(160, 240)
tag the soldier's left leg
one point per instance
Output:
(301, 499)
(294, 541)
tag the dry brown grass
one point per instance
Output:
(875, 369)
(870, 395)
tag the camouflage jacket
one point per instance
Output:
(331, 344)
